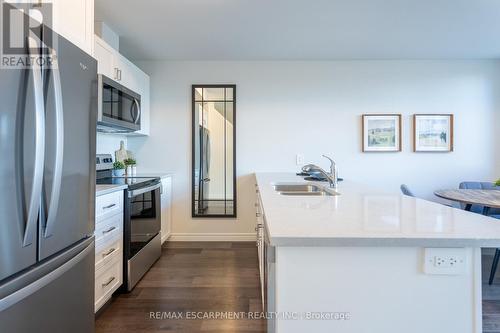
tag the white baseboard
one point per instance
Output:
(212, 237)
(165, 237)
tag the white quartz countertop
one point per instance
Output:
(106, 189)
(364, 216)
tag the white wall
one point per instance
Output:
(314, 108)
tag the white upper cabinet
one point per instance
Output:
(118, 68)
(105, 56)
(74, 20)
(130, 75)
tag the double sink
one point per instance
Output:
(304, 190)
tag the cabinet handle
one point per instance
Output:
(120, 72)
(104, 255)
(116, 73)
(107, 283)
(109, 206)
(108, 231)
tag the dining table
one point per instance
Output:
(488, 199)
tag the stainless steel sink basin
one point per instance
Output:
(296, 188)
(302, 190)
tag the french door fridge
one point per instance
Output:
(47, 191)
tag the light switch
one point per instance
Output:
(299, 159)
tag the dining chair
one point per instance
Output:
(406, 190)
(492, 213)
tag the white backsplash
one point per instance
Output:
(109, 143)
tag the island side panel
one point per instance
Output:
(383, 289)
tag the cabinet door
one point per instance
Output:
(105, 56)
(130, 75)
(166, 208)
(74, 20)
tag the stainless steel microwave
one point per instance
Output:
(119, 108)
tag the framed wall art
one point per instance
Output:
(433, 132)
(381, 132)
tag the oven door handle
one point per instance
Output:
(143, 190)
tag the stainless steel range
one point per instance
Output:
(142, 220)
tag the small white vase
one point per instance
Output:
(134, 170)
(129, 170)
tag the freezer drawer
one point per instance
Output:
(60, 301)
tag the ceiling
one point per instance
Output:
(304, 29)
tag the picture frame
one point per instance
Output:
(381, 132)
(433, 132)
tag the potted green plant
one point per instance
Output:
(131, 166)
(118, 169)
(497, 183)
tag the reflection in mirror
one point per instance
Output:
(214, 164)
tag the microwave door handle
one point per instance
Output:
(59, 149)
(36, 191)
(139, 111)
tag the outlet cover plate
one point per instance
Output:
(445, 261)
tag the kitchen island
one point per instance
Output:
(368, 260)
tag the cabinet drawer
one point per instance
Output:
(107, 280)
(108, 205)
(108, 251)
(108, 229)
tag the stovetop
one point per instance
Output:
(133, 183)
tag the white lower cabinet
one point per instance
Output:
(107, 251)
(108, 247)
(108, 279)
(260, 229)
(166, 208)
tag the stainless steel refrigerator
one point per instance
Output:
(47, 197)
(204, 173)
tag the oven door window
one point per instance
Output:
(145, 222)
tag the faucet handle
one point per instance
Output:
(332, 163)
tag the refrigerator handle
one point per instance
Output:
(36, 191)
(59, 149)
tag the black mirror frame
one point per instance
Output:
(193, 151)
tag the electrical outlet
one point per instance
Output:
(445, 261)
(299, 159)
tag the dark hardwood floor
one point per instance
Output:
(191, 277)
(219, 277)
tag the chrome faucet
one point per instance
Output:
(331, 176)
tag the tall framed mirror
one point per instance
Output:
(214, 151)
